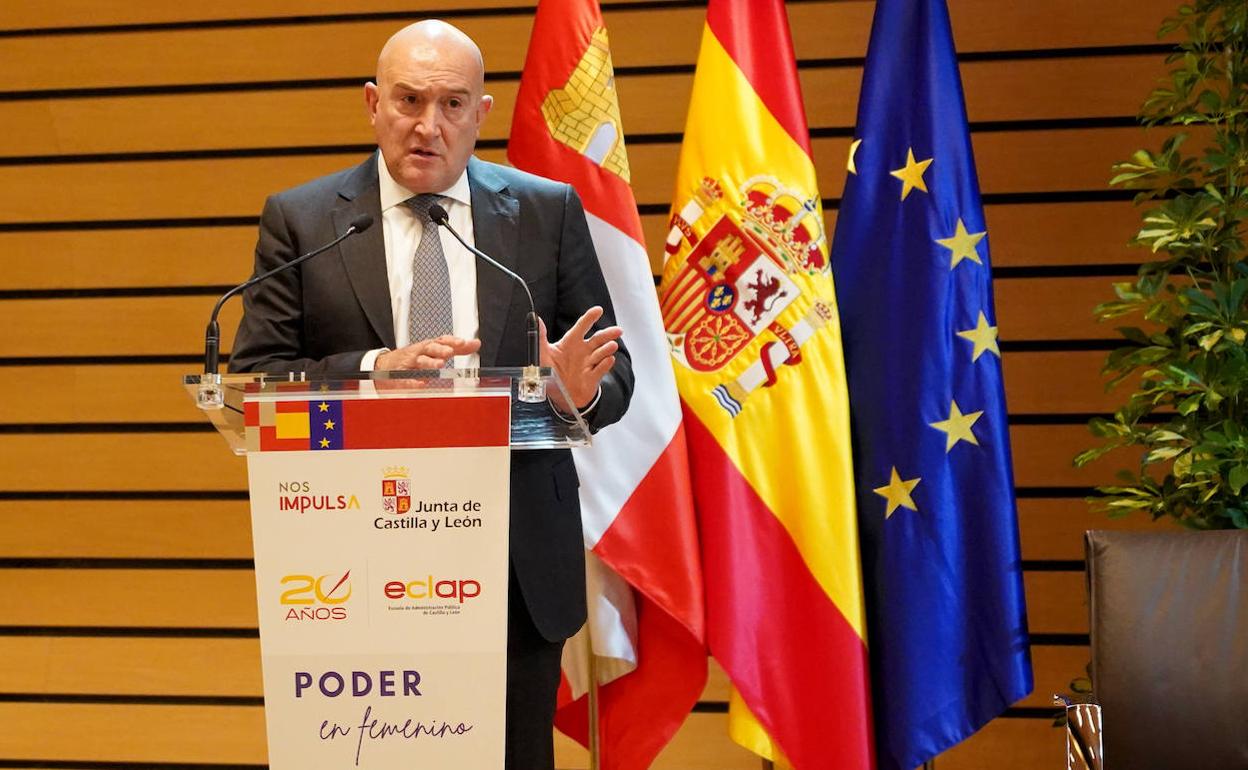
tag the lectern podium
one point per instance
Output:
(379, 507)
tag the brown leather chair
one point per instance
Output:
(1170, 647)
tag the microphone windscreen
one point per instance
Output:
(438, 215)
(361, 223)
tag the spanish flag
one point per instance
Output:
(751, 320)
(644, 584)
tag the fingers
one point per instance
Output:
(583, 324)
(603, 336)
(459, 346)
(600, 370)
(596, 354)
(428, 354)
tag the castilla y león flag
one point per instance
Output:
(645, 589)
(750, 312)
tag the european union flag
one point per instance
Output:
(326, 423)
(947, 627)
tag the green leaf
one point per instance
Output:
(1209, 340)
(1237, 478)
(1163, 453)
(1161, 436)
(1189, 404)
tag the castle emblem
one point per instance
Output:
(585, 114)
(396, 491)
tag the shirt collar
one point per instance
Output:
(393, 193)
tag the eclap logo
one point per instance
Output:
(316, 598)
(428, 588)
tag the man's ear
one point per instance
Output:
(483, 108)
(371, 96)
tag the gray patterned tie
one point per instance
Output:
(430, 313)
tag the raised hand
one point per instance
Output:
(581, 362)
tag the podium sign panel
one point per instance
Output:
(380, 524)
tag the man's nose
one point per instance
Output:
(426, 122)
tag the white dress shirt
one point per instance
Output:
(401, 231)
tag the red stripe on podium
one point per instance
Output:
(469, 421)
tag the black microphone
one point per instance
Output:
(209, 392)
(440, 218)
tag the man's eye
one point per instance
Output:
(455, 103)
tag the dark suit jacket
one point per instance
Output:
(325, 315)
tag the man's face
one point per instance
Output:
(426, 109)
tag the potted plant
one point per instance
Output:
(1189, 410)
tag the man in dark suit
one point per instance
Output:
(368, 306)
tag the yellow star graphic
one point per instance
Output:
(324, 443)
(911, 174)
(329, 425)
(853, 150)
(962, 244)
(957, 427)
(897, 493)
(984, 337)
(324, 407)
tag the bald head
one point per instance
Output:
(427, 40)
(428, 104)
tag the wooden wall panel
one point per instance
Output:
(235, 734)
(1021, 161)
(93, 393)
(1057, 383)
(1027, 309)
(126, 529)
(180, 129)
(112, 325)
(1021, 235)
(1022, 744)
(1052, 308)
(650, 103)
(83, 462)
(172, 598)
(1051, 529)
(127, 258)
(978, 24)
(230, 668)
(1054, 668)
(1036, 383)
(54, 14)
(1058, 234)
(654, 36)
(197, 461)
(131, 666)
(188, 598)
(1057, 602)
(106, 733)
(1043, 454)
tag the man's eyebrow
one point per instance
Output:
(421, 89)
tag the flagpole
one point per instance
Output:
(595, 748)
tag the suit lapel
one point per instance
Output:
(496, 230)
(364, 255)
